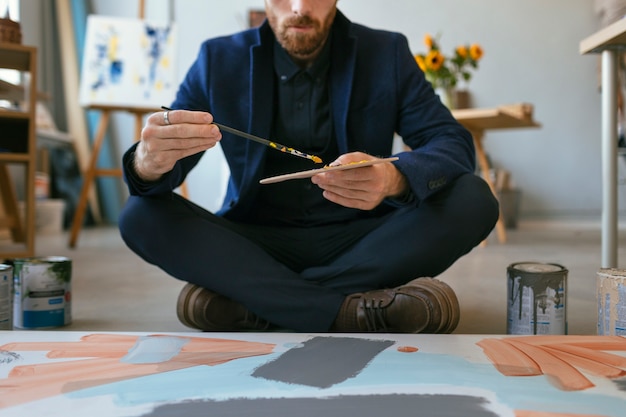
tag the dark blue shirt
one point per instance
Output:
(303, 121)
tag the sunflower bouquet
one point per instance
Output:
(446, 72)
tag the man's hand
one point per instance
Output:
(162, 144)
(361, 188)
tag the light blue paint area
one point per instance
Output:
(416, 373)
(520, 393)
(154, 349)
(293, 345)
(228, 380)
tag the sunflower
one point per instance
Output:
(434, 60)
(476, 52)
(447, 72)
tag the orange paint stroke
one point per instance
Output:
(509, 360)
(561, 356)
(590, 365)
(407, 349)
(598, 356)
(33, 382)
(559, 372)
(112, 346)
(115, 346)
(61, 378)
(589, 342)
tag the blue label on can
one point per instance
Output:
(47, 318)
(42, 292)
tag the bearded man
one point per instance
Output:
(353, 250)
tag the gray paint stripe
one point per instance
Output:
(440, 405)
(323, 361)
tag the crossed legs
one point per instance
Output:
(299, 278)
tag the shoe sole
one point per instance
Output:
(453, 306)
(185, 303)
(452, 303)
(449, 304)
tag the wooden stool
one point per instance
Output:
(477, 121)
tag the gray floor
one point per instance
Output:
(114, 290)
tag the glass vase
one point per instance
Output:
(447, 97)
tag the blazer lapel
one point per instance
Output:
(343, 58)
(261, 99)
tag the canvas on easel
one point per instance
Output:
(128, 66)
(128, 62)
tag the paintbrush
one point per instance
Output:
(265, 142)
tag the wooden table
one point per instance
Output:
(477, 121)
(608, 42)
(56, 373)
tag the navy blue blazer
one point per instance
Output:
(377, 90)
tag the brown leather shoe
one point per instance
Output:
(202, 309)
(424, 305)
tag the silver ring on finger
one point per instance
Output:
(166, 119)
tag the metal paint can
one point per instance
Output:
(611, 296)
(43, 292)
(6, 297)
(537, 298)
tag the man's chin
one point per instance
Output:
(300, 48)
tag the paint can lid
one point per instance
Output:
(611, 273)
(42, 259)
(55, 259)
(536, 267)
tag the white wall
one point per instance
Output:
(531, 55)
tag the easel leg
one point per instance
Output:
(92, 170)
(183, 190)
(9, 201)
(484, 168)
(90, 174)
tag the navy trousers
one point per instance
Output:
(297, 278)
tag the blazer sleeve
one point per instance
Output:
(441, 148)
(191, 95)
(390, 95)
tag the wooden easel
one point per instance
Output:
(10, 210)
(92, 170)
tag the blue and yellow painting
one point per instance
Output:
(128, 62)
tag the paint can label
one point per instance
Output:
(43, 295)
(537, 299)
(611, 297)
(6, 297)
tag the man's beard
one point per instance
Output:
(300, 44)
